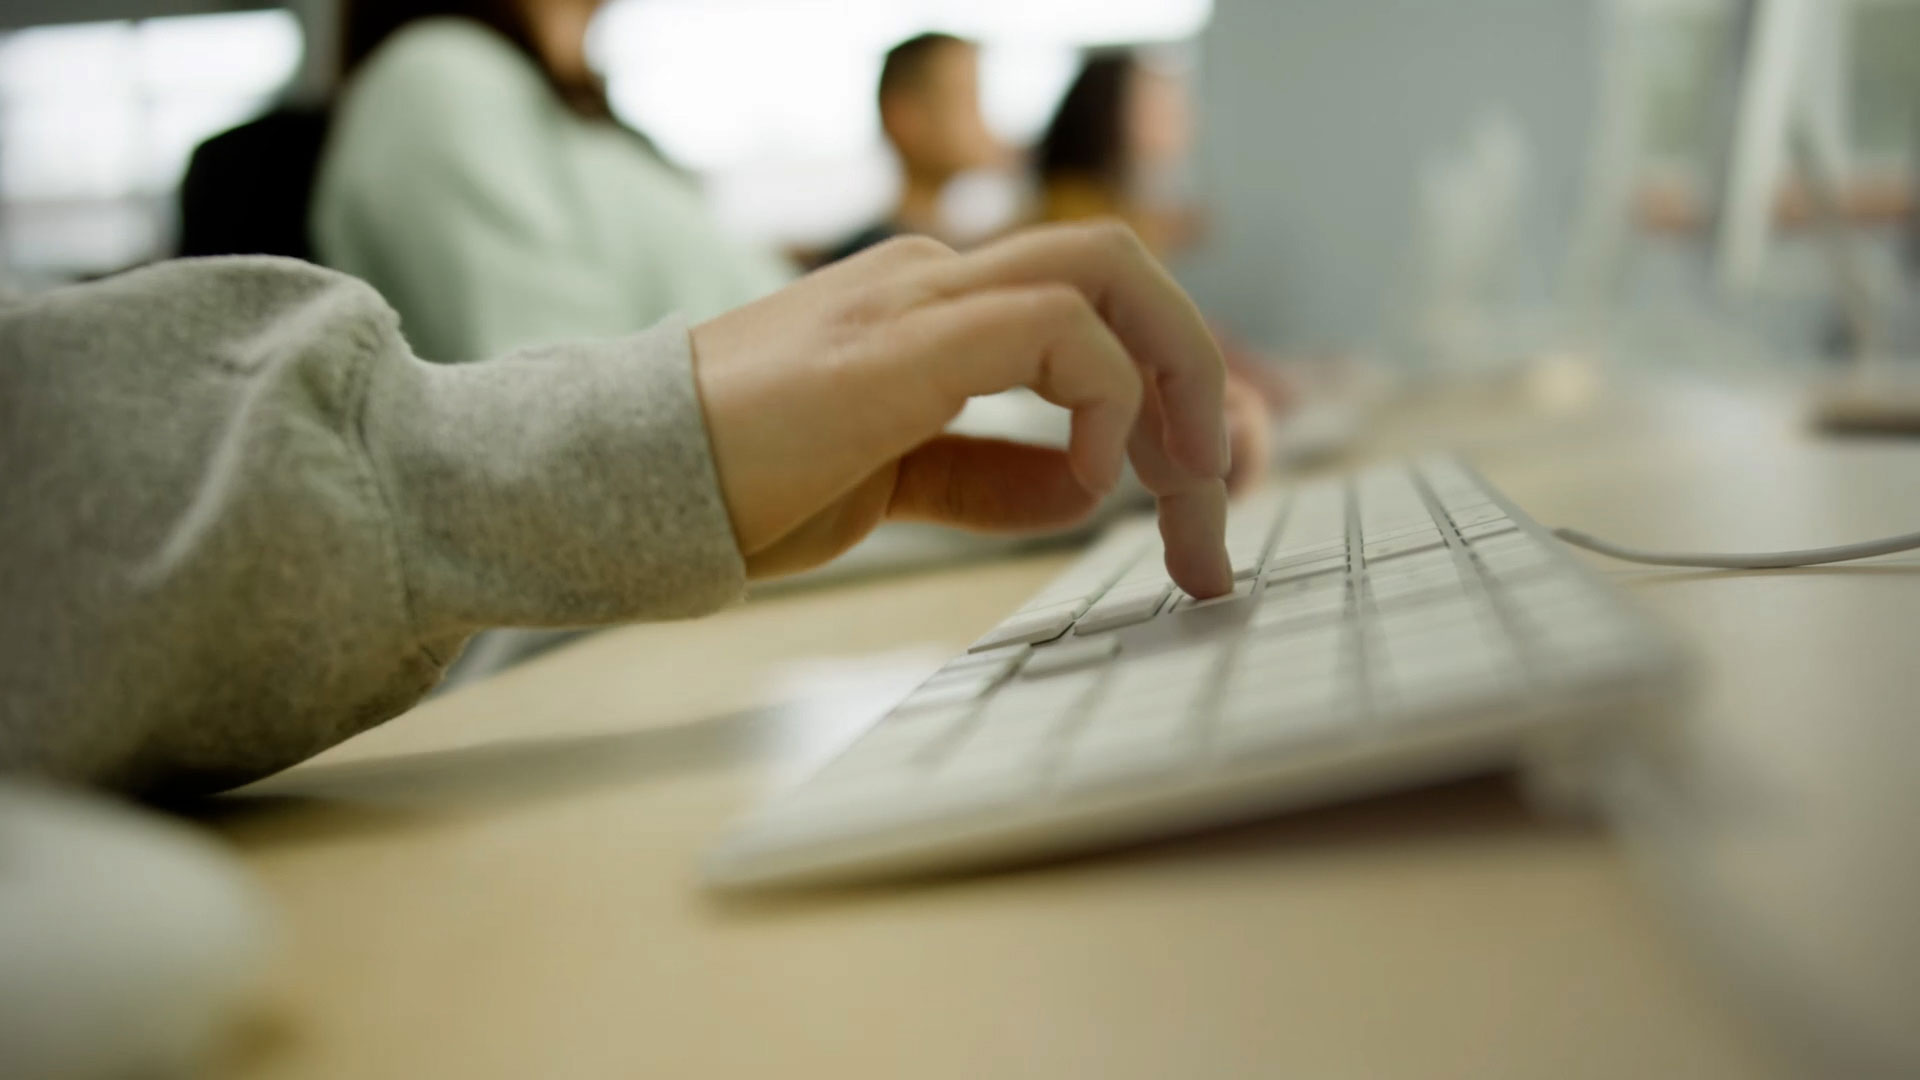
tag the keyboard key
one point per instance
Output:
(1435, 618)
(1301, 602)
(1108, 560)
(1408, 543)
(1291, 557)
(1294, 677)
(1002, 751)
(1146, 720)
(1123, 605)
(1296, 692)
(1508, 544)
(1405, 592)
(1241, 590)
(884, 764)
(1322, 647)
(1331, 564)
(1140, 744)
(1006, 659)
(1461, 632)
(1053, 601)
(1417, 529)
(1317, 513)
(1260, 723)
(1423, 578)
(1572, 660)
(1509, 561)
(1067, 655)
(1249, 525)
(896, 740)
(1029, 627)
(1150, 569)
(1488, 528)
(1436, 560)
(1456, 693)
(946, 693)
(1440, 661)
(1389, 501)
(1476, 513)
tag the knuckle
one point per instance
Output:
(914, 248)
(1115, 239)
(1058, 303)
(865, 309)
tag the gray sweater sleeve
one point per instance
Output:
(242, 522)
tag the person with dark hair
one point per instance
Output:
(929, 100)
(549, 33)
(1117, 147)
(476, 176)
(1086, 138)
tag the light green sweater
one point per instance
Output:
(492, 218)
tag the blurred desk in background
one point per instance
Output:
(503, 883)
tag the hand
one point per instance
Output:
(825, 402)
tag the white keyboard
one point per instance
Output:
(1401, 625)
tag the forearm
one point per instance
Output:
(244, 523)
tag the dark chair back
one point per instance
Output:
(248, 190)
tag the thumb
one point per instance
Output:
(989, 485)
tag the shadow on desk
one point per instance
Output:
(325, 801)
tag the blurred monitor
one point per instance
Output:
(1788, 99)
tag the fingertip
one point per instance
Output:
(1193, 525)
(1202, 578)
(1099, 470)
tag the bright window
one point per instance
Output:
(97, 121)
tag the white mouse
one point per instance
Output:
(129, 944)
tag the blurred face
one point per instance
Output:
(1159, 118)
(936, 124)
(560, 31)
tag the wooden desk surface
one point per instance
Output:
(501, 884)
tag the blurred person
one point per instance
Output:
(476, 176)
(247, 522)
(929, 101)
(1117, 148)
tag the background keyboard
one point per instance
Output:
(1400, 625)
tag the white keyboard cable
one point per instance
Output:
(1775, 560)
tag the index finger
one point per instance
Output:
(1133, 294)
